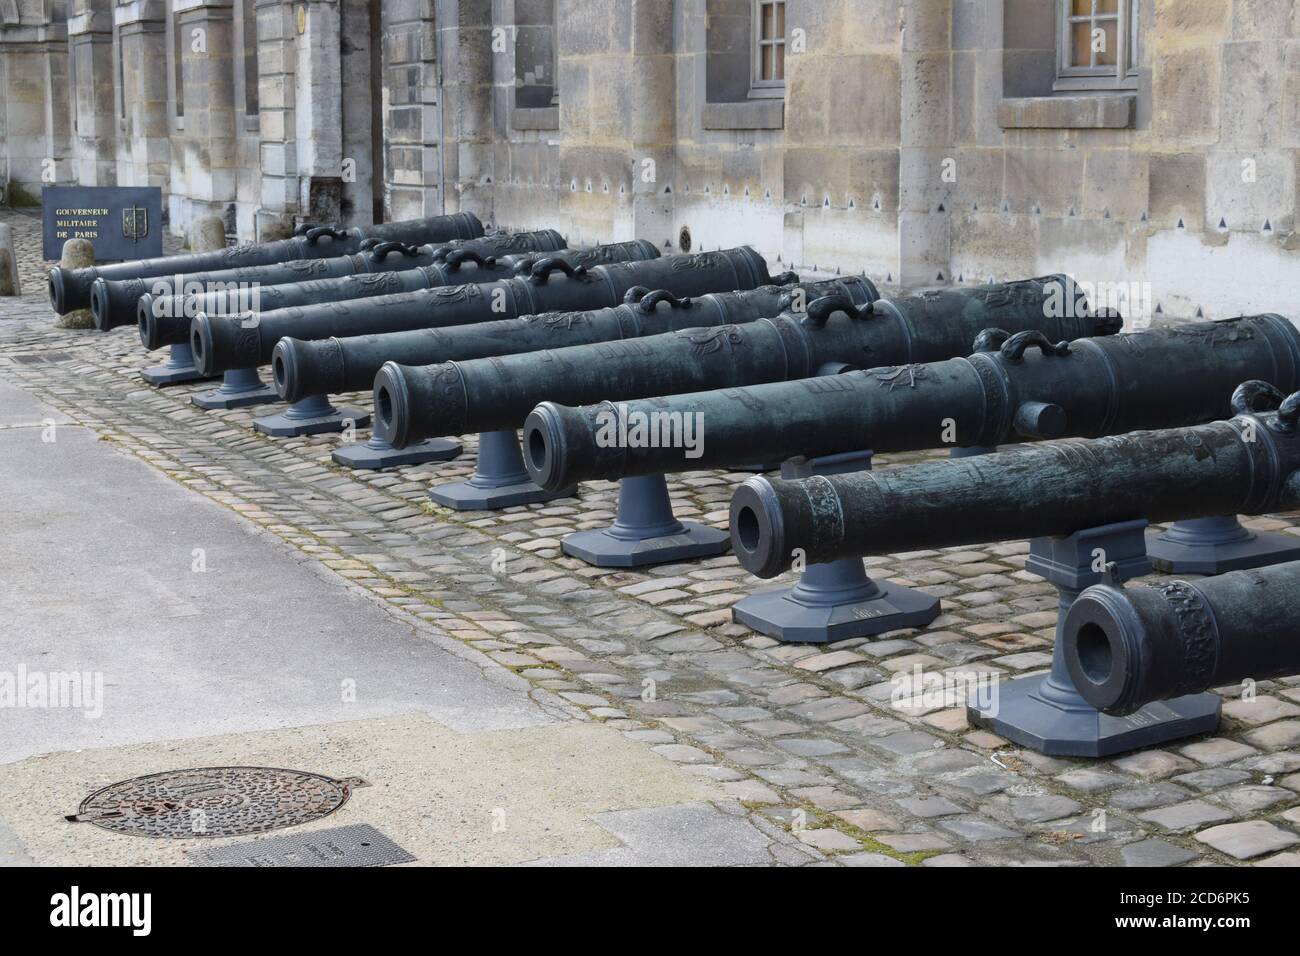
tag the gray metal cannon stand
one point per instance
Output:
(377, 454)
(314, 415)
(499, 481)
(240, 388)
(1217, 546)
(645, 531)
(179, 368)
(835, 601)
(1046, 713)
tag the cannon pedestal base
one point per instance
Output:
(376, 454)
(178, 368)
(499, 481)
(1217, 546)
(240, 388)
(835, 601)
(314, 415)
(645, 531)
(1046, 713)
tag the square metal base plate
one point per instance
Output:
(165, 375)
(775, 614)
(602, 550)
(356, 845)
(462, 496)
(362, 456)
(282, 426)
(1022, 717)
(1264, 549)
(217, 399)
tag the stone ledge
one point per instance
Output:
(1104, 111)
(747, 114)
(545, 117)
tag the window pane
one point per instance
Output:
(768, 59)
(1081, 44)
(1081, 8)
(780, 61)
(1108, 6)
(1110, 43)
(780, 20)
(769, 18)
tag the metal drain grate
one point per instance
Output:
(356, 845)
(214, 802)
(42, 358)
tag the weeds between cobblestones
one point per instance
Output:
(805, 738)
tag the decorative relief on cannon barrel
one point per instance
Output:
(707, 341)
(558, 321)
(1196, 627)
(308, 267)
(236, 252)
(369, 283)
(1214, 334)
(702, 260)
(900, 376)
(248, 346)
(745, 398)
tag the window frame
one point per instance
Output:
(760, 88)
(1123, 76)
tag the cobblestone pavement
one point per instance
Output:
(806, 738)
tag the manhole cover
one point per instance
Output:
(357, 845)
(214, 802)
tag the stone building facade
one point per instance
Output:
(1149, 144)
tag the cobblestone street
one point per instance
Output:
(808, 741)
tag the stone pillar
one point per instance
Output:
(360, 112)
(617, 111)
(94, 72)
(842, 128)
(318, 116)
(204, 159)
(464, 36)
(925, 143)
(276, 64)
(33, 41)
(144, 148)
(413, 160)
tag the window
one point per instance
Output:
(1097, 45)
(769, 48)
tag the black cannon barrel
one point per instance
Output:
(117, 302)
(69, 289)
(227, 342)
(1027, 387)
(1127, 647)
(159, 327)
(492, 394)
(1244, 466)
(329, 366)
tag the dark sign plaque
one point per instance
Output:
(123, 222)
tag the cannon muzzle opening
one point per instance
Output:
(99, 305)
(284, 369)
(143, 312)
(757, 529)
(57, 286)
(1102, 635)
(545, 452)
(201, 343)
(392, 406)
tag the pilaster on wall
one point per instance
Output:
(925, 153)
(465, 40)
(414, 174)
(276, 95)
(618, 91)
(144, 146)
(318, 118)
(204, 176)
(93, 68)
(843, 127)
(38, 122)
(359, 113)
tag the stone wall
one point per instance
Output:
(920, 141)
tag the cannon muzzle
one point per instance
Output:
(394, 398)
(300, 368)
(1248, 465)
(1128, 647)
